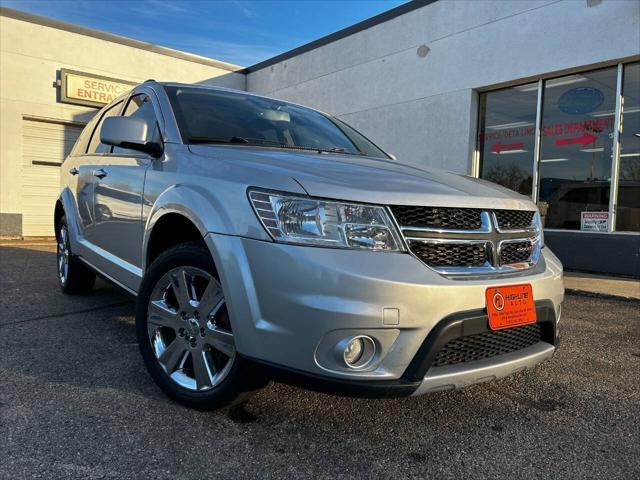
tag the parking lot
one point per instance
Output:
(76, 402)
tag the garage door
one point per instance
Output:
(45, 143)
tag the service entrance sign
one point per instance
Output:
(594, 221)
(91, 90)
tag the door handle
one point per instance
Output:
(74, 171)
(99, 173)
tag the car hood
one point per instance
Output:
(370, 180)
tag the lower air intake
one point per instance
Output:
(487, 345)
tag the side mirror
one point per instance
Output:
(133, 133)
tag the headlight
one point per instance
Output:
(537, 223)
(305, 220)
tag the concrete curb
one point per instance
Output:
(604, 296)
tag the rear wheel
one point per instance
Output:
(184, 332)
(73, 276)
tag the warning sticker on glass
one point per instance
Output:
(594, 221)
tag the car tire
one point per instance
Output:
(185, 334)
(73, 276)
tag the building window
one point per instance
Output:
(556, 140)
(628, 211)
(575, 148)
(506, 136)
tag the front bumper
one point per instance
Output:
(289, 306)
(463, 375)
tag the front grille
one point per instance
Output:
(438, 217)
(450, 254)
(465, 241)
(512, 219)
(487, 345)
(515, 252)
(458, 218)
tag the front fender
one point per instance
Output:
(204, 210)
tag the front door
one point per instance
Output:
(117, 206)
(119, 181)
(83, 168)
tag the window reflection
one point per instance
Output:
(506, 136)
(576, 147)
(628, 211)
(575, 151)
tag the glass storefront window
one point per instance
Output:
(574, 161)
(576, 143)
(628, 211)
(506, 136)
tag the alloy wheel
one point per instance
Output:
(189, 329)
(63, 254)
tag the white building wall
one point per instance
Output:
(424, 109)
(30, 56)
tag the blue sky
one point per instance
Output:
(243, 32)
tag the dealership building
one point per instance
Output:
(540, 96)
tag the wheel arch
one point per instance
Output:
(58, 213)
(182, 202)
(171, 228)
(65, 206)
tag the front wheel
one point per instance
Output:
(184, 332)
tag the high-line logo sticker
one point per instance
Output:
(510, 306)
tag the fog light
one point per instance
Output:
(357, 352)
(354, 350)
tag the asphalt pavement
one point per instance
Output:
(76, 402)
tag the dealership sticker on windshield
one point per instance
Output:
(510, 306)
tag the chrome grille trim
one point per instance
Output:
(417, 242)
(489, 234)
(485, 227)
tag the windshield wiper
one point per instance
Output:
(217, 140)
(238, 140)
(342, 150)
(269, 143)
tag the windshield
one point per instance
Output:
(218, 116)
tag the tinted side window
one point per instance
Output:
(139, 106)
(94, 145)
(81, 144)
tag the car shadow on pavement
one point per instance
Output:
(72, 338)
(29, 286)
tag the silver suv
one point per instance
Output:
(265, 240)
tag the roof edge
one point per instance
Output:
(340, 34)
(111, 37)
